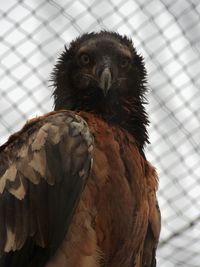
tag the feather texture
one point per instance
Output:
(40, 186)
(75, 186)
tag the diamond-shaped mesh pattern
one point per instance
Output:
(167, 33)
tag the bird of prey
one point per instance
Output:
(76, 189)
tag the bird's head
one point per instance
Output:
(103, 74)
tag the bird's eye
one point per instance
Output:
(84, 59)
(124, 62)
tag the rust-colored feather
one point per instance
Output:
(116, 206)
(117, 221)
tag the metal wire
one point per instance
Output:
(167, 33)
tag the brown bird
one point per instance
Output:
(75, 186)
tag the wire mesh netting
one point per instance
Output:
(167, 33)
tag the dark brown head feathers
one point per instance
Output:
(102, 73)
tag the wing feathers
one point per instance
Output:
(27, 171)
(41, 137)
(9, 175)
(44, 170)
(18, 187)
(38, 162)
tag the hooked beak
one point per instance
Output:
(105, 80)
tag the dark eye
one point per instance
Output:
(84, 59)
(124, 62)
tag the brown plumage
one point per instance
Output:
(75, 186)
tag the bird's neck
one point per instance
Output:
(130, 115)
(127, 114)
